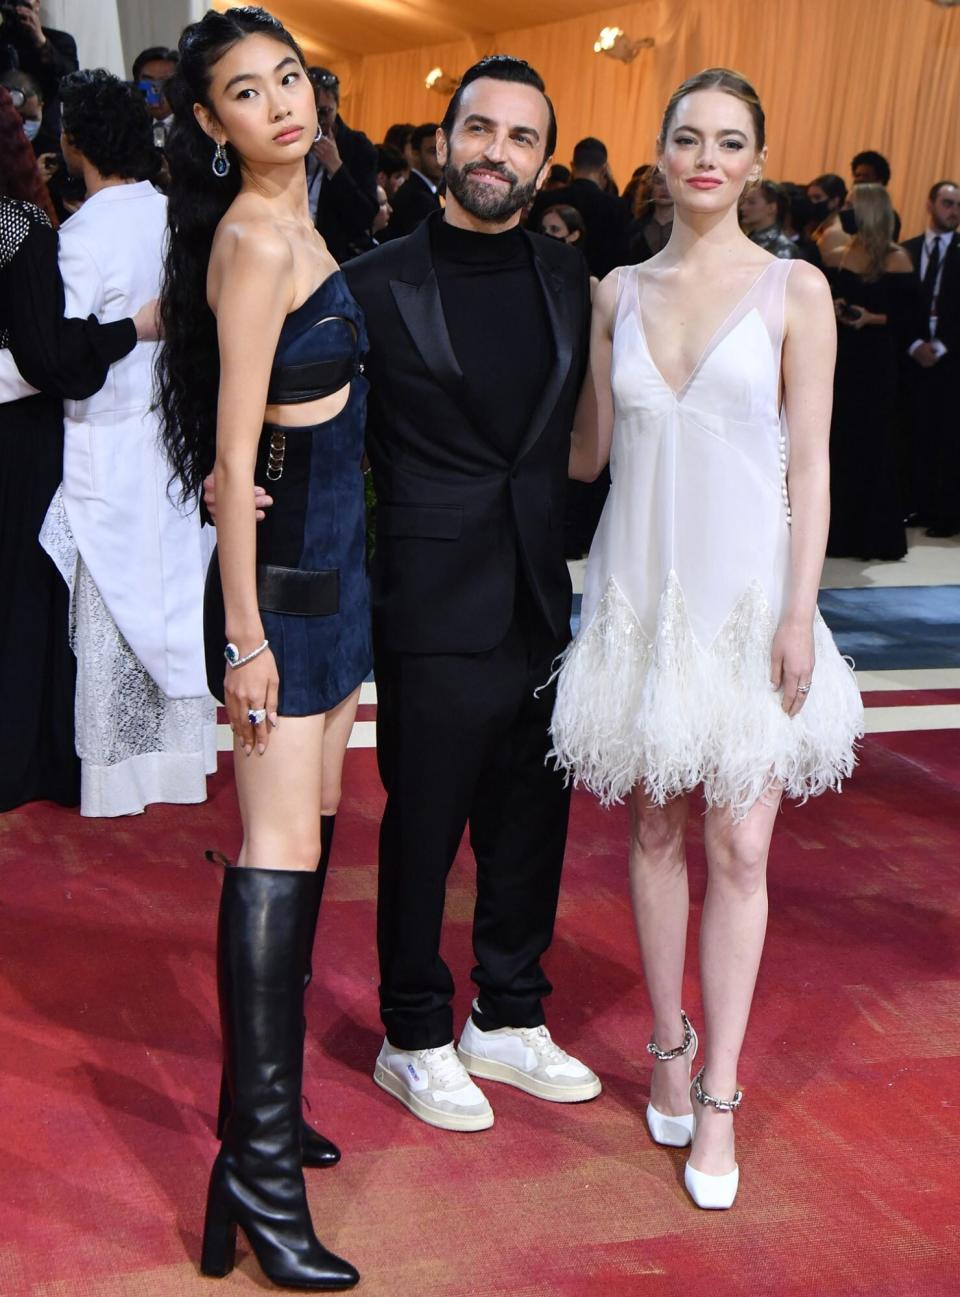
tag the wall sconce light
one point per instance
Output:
(442, 82)
(616, 44)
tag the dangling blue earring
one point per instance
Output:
(221, 163)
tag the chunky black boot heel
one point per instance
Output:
(318, 1151)
(219, 1241)
(257, 1179)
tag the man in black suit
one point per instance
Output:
(605, 216)
(341, 174)
(478, 345)
(935, 357)
(419, 195)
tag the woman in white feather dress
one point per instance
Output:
(702, 660)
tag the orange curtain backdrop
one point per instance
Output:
(835, 76)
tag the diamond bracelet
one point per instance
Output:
(233, 658)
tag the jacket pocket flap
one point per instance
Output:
(428, 521)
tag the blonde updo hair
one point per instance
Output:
(731, 83)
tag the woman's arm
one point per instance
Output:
(250, 291)
(593, 421)
(58, 356)
(809, 355)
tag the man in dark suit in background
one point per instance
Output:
(605, 216)
(935, 357)
(419, 195)
(341, 174)
(478, 346)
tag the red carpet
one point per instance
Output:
(848, 1138)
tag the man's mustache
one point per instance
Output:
(497, 167)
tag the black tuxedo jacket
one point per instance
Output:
(411, 204)
(948, 304)
(348, 200)
(455, 517)
(605, 216)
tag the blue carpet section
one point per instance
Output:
(892, 629)
(896, 628)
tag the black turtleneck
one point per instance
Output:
(498, 324)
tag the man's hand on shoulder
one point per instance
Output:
(261, 500)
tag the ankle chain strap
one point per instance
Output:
(721, 1105)
(665, 1055)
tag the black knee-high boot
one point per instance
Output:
(257, 1178)
(317, 1149)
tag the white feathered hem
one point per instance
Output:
(671, 714)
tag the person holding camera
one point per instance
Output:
(341, 174)
(47, 55)
(152, 69)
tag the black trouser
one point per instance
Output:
(937, 444)
(462, 738)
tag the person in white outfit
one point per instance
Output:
(702, 659)
(134, 560)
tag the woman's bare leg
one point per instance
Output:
(283, 792)
(658, 886)
(339, 724)
(279, 794)
(731, 942)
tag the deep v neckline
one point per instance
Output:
(712, 342)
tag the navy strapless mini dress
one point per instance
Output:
(311, 548)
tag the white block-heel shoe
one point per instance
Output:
(673, 1132)
(712, 1192)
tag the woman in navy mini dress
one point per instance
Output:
(261, 379)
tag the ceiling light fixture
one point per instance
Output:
(616, 44)
(442, 82)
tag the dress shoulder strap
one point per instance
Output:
(770, 301)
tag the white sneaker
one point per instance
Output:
(433, 1084)
(527, 1058)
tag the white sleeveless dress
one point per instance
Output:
(668, 682)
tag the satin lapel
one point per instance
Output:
(417, 296)
(552, 284)
(422, 312)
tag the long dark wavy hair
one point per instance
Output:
(19, 174)
(188, 364)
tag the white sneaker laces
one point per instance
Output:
(444, 1068)
(544, 1046)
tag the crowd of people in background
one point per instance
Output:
(895, 440)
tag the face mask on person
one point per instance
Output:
(820, 210)
(31, 128)
(848, 220)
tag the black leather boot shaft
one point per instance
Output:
(257, 1180)
(318, 1151)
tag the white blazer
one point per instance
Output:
(144, 551)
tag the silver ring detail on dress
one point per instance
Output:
(803, 689)
(257, 715)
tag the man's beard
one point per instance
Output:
(488, 202)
